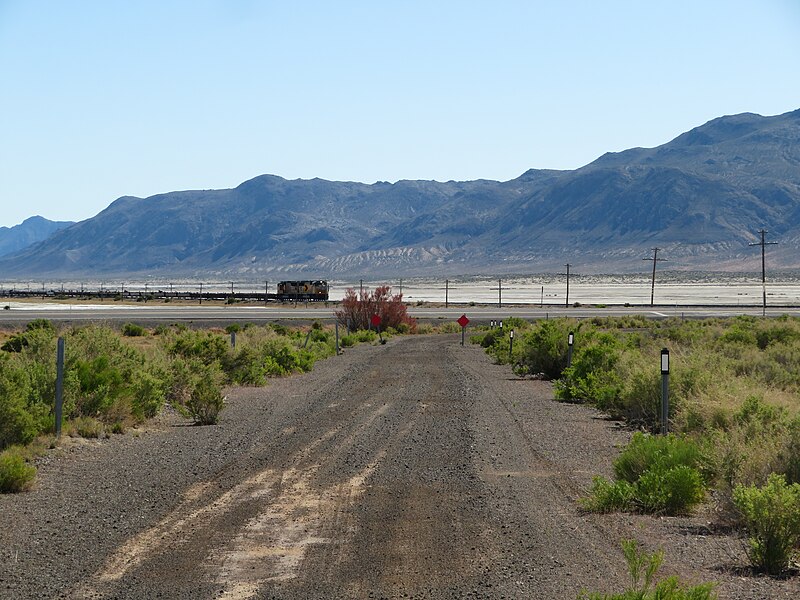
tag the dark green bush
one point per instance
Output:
(772, 517)
(544, 348)
(133, 330)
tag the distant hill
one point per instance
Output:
(700, 197)
(30, 231)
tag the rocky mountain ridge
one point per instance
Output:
(700, 197)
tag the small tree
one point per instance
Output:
(358, 309)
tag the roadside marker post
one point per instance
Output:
(233, 340)
(664, 391)
(463, 321)
(570, 342)
(59, 384)
(511, 345)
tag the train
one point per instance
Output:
(305, 291)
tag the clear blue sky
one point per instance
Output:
(100, 99)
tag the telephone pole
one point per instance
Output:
(655, 259)
(763, 243)
(566, 302)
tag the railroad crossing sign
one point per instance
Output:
(463, 321)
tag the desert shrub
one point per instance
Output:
(669, 490)
(148, 394)
(654, 475)
(772, 517)
(132, 330)
(87, 427)
(644, 452)
(205, 401)
(544, 348)
(348, 341)
(593, 376)
(449, 327)
(16, 475)
(246, 366)
(206, 346)
(643, 568)
(609, 496)
(357, 310)
(365, 335)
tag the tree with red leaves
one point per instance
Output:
(357, 310)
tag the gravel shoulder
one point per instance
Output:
(416, 469)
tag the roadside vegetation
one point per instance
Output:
(734, 419)
(643, 568)
(118, 378)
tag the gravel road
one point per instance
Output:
(417, 469)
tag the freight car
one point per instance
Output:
(303, 291)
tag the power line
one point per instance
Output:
(763, 243)
(655, 260)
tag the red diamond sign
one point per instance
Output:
(376, 320)
(463, 320)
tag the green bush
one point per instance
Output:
(544, 348)
(593, 376)
(644, 452)
(642, 568)
(205, 401)
(772, 517)
(16, 475)
(206, 346)
(609, 496)
(669, 490)
(655, 475)
(148, 394)
(132, 330)
(87, 427)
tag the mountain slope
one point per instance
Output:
(30, 231)
(701, 197)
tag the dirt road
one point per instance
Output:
(416, 469)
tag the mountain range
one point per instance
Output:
(31, 230)
(701, 198)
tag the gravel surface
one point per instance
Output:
(417, 469)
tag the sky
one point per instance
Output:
(102, 99)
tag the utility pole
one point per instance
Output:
(763, 245)
(446, 293)
(499, 293)
(566, 302)
(655, 259)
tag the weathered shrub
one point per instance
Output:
(772, 517)
(357, 310)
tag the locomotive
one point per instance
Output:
(303, 291)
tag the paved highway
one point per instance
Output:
(21, 313)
